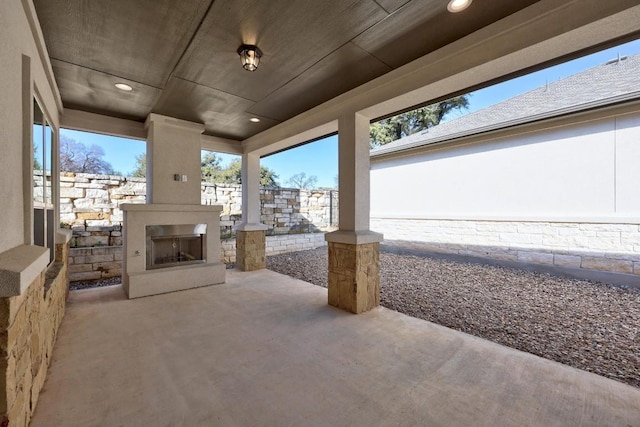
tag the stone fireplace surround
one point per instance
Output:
(137, 280)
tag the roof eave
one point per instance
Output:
(629, 98)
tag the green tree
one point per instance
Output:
(401, 125)
(141, 166)
(268, 178)
(301, 180)
(77, 157)
(232, 174)
(209, 167)
(211, 171)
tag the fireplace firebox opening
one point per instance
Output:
(175, 245)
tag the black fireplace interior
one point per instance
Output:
(175, 245)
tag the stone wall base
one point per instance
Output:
(106, 261)
(28, 328)
(278, 244)
(613, 248)
(354, 276)
(251, 250)
(100, 262)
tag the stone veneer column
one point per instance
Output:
(354, 250)
(354, 276)
(250, 250)
(250, 235)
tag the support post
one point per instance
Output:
(354, 250)
(251, 234)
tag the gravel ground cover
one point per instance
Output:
(75, 286)
(586, 325)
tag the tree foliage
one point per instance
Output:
(268, 178)
(301, 180)
(212, 171)
(141, 166)
(232, 174)
(396, 127)
(209, 167)
(77, 157)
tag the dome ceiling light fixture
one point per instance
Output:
(250, 56)
(455, 6)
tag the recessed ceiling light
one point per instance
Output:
(124, 86)
(458, 5)
(254, 119)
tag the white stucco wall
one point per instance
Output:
(563, 193)
(628, 164)
(16, 39)
(587, 170)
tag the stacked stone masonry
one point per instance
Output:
(90, 206)
(95, 263)
(590, 246)
(251, 250)
(277, 245)
(29, 324)
(354, 276)
(284, 210)
(104, 262)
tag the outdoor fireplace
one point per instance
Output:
(172, 242)
(170, 247)
(175, 245)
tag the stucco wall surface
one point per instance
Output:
(565, 195)
(583, 170)
(601, 247)
(17, 40)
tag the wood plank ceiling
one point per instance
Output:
(180, 55)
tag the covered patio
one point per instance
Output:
(255, 348)
(266, 349)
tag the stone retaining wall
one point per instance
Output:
(589, 246)
(284, 210)
(89, 201)
(104, 262)
(28, 328)
(95, 263)
(278, 245)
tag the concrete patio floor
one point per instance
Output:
(265, 350)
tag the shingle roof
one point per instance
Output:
(615, 81)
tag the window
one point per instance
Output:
(43, 213)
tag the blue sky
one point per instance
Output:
(320, 158)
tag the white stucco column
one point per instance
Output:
(251, 234)
(354, 271)
(251, 193)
